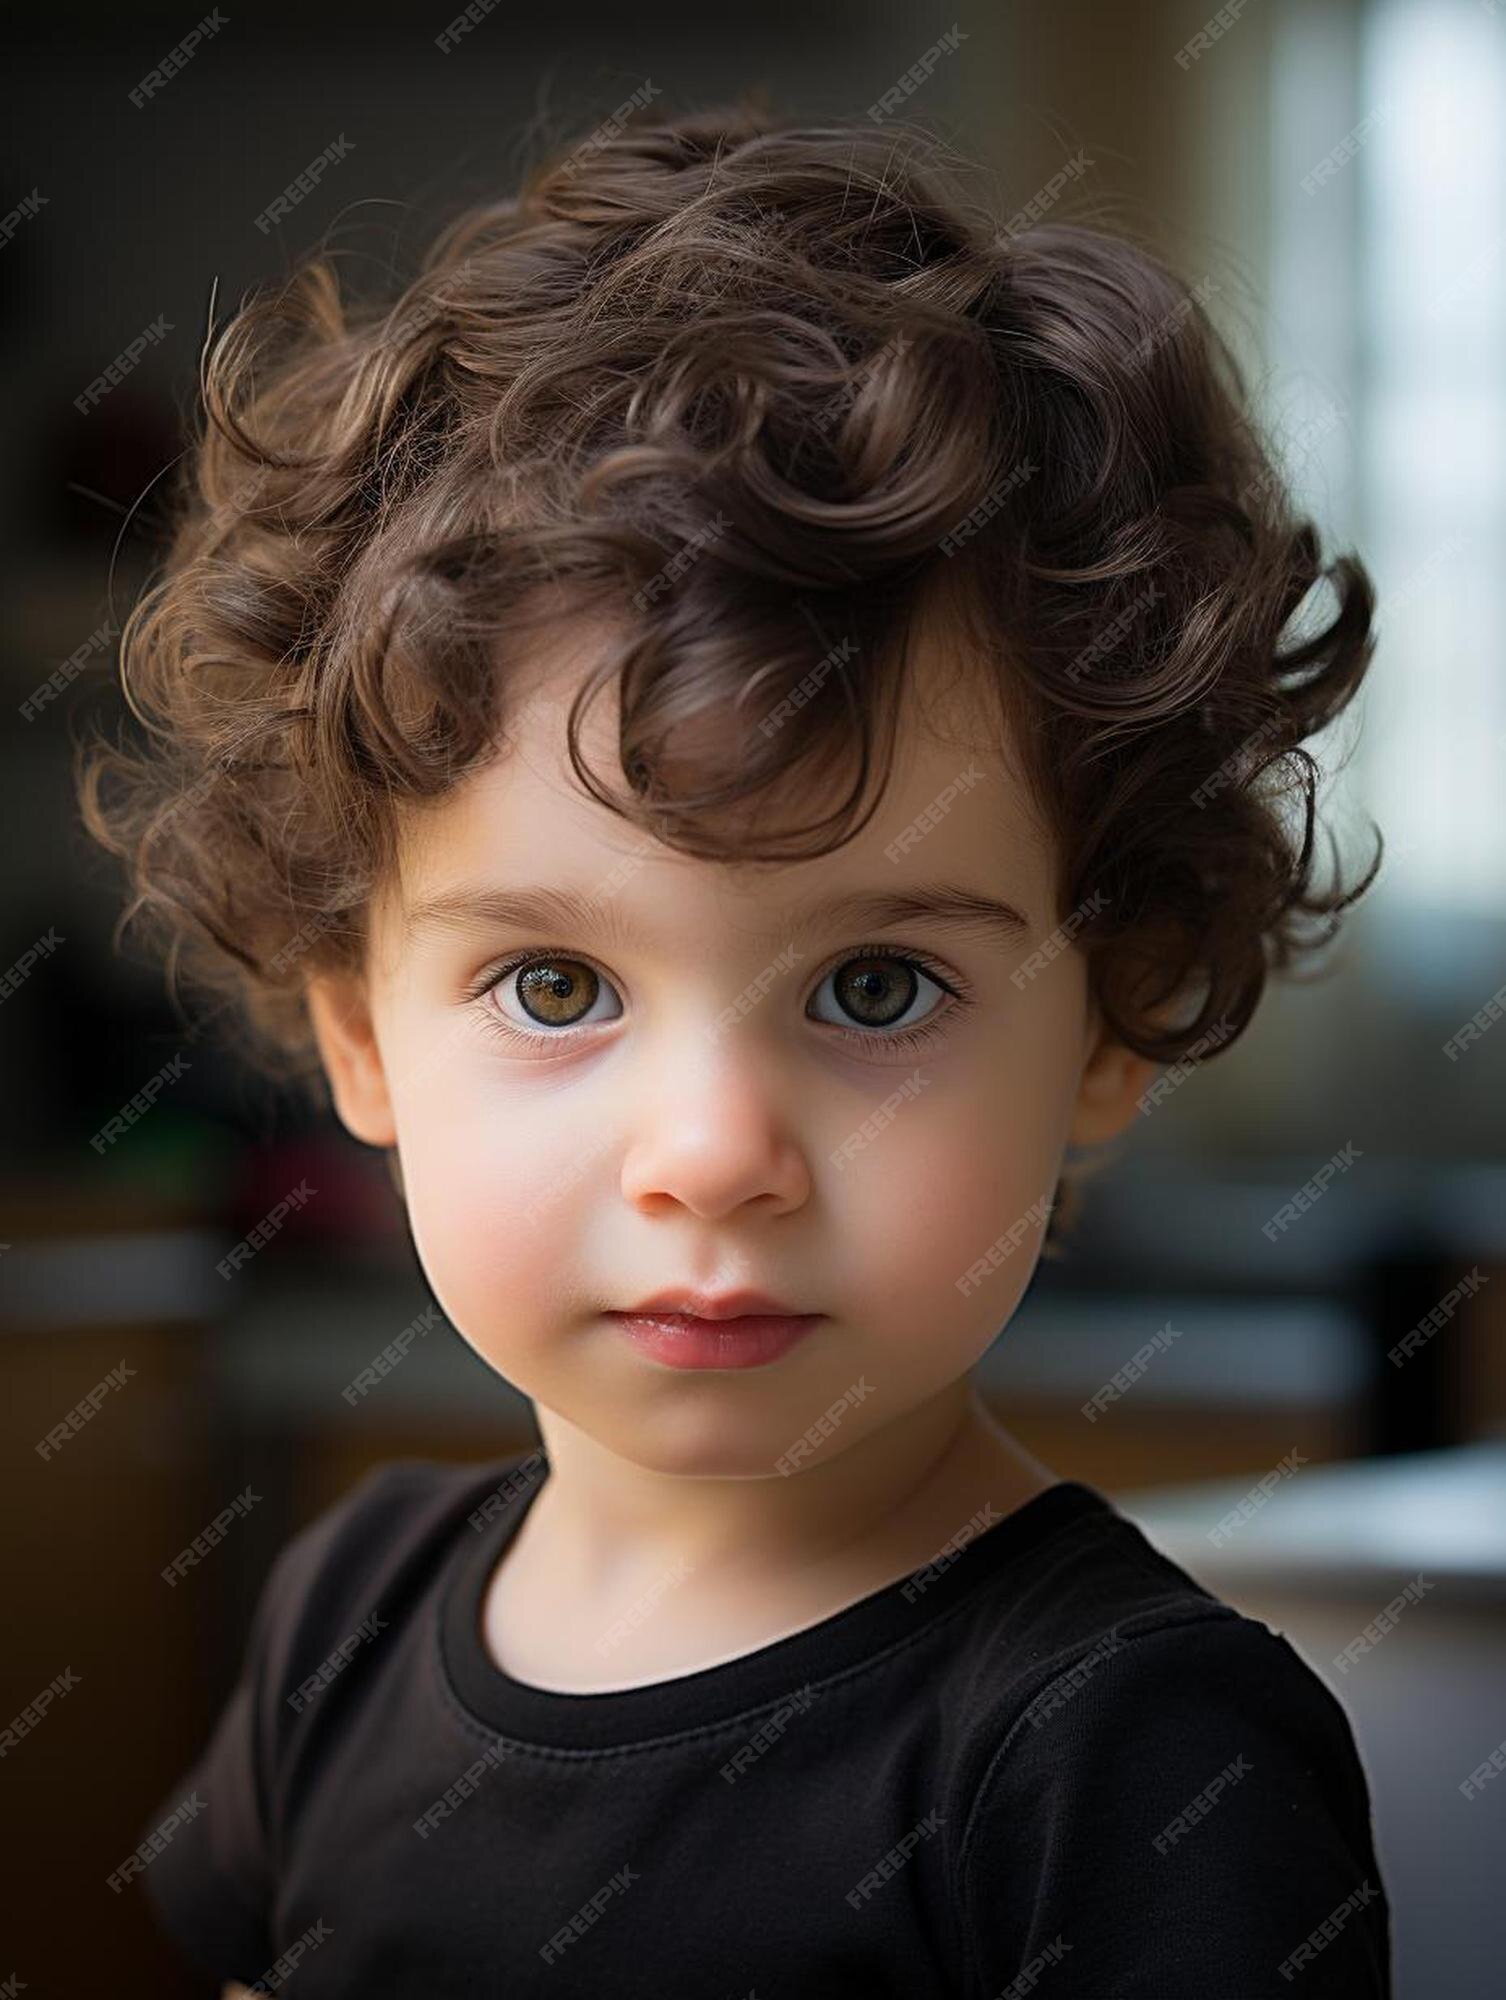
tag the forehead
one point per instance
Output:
(955, 810)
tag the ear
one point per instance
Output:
(340, 1013)
(1113, 1080)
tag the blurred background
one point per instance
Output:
(1311, 1417)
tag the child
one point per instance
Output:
(734, 727)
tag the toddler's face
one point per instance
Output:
(692, 1089)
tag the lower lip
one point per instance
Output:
(679, 1340)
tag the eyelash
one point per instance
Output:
(904, 1038)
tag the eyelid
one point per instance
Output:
(498, 969)
(945, 976)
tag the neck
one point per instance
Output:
(922, 1476)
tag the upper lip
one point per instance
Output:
(713, 1305)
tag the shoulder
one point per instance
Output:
(353, 1571)
(374, 1550)
(1183, 1790)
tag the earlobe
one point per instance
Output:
(1112, 1083)
(340, 1014)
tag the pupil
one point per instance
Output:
(868, 993)
(546, 991)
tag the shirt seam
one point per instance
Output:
(474, 1726)
(1214, 1612)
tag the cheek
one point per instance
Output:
(949, 1211)
(488, 1180)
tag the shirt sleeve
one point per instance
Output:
(212, 1880)
(1182, 1812)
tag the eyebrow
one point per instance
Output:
(563, 911)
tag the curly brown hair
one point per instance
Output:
(757, 389)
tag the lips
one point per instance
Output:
(715, 1305)
(714, 1337)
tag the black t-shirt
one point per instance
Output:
(1047, 1763)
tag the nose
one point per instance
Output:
(712, 1138)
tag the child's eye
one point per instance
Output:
(551, 992)
(882, 991)
(882, 996)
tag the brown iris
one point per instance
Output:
(557, 991)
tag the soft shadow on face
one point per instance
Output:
(704, 1130)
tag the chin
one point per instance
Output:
(708, 1436)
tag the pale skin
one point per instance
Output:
(670, 1141)
(666, 1141)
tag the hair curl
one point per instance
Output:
(752, 388)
